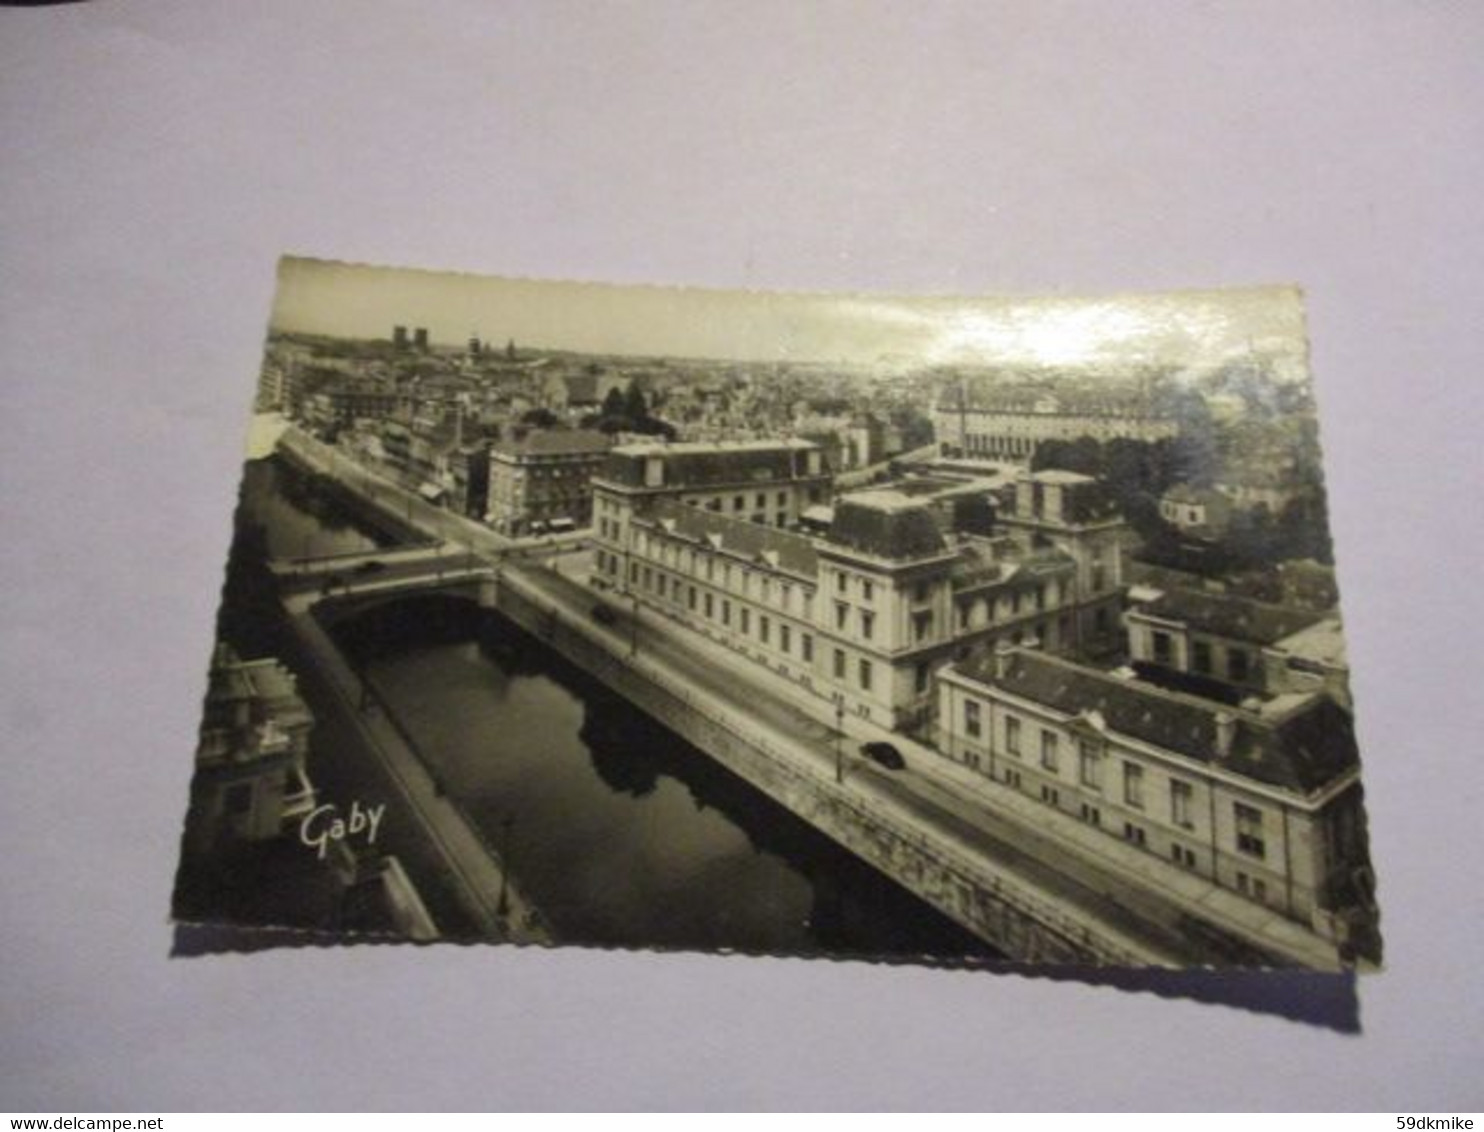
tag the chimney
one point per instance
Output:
(1226, 731)
(1003, 651)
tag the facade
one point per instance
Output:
(1195, 510)
(1013, 430)
(1266, 804)
(768, 482)
(250, 776)
(1225, 639)
(1075, 515)
(543, 481)
(866, 614)
(340, 407)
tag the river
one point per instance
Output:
(619, 831)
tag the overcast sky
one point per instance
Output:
(1191, 328)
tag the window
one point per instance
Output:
(762, 499)
(972, 725)
(1252, 887)
(746, 615)
(1048, 750)
(868, 623)
(1133, 833)
(1236, 665)
(1050, 795)
(1133, 785)
(783, 499)
(1091, 765)
(921, 676)
(806, 647)
(1091, 815)
(763, 628)
(726, 612)
(866, 589)
(922, 625)
(1181, 855)
(1162, 650)
(691, 600)
(784, 632)
(865, 674)
(739, 503)
(1201, 656)
(921, 591)
(839, 664)
(708, 605)
(840, 581)
(1180, 796)
(1249, 830)
(842, 614)
(1012, 735)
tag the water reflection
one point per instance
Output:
(623, 834)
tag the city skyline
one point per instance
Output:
(1182, 330)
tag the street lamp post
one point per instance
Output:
(839, 739)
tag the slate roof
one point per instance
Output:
(973, 575)
(1225, 615)
(1301, 752)
(1188, 493)
(718, 465)
(737, 538)
(556, 442)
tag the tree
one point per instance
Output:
(634, 406)
(539, 418)
(614, 404)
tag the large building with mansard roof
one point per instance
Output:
(866, 613)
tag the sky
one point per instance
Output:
(1183, 329)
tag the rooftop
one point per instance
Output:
(1225, 615)
(750, 542)
(1303, 751)
(1323, 643)
(555, 442)
(885, 524)
(716, 464)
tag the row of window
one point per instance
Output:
(755, 584)
(1238, 660)
(983, 611)
(922, 623)
(1135, 834)
(678, 590)
(1091, 759)
(866, 587)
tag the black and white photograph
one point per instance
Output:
(923, 629)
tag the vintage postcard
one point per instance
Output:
(938, 629)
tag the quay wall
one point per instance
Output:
(1008, 915)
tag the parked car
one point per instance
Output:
(604, 614)
(884, 754)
